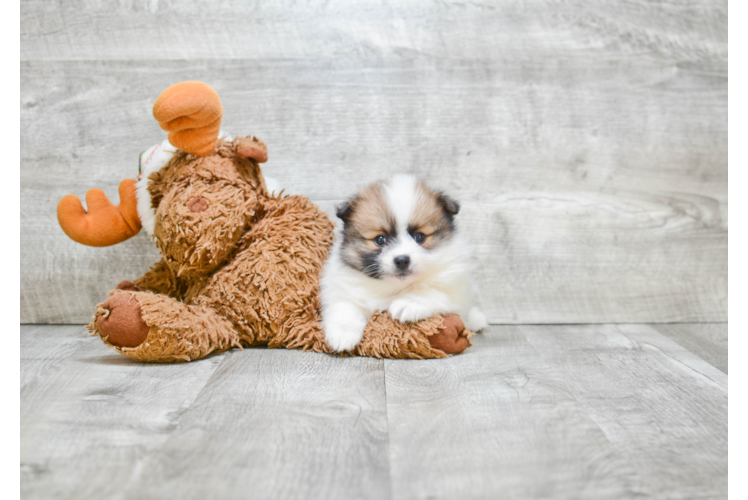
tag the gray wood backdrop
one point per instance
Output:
(587, 143)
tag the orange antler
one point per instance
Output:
(191, 112)
(104, 224)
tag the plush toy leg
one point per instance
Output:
(304, 333)
(152, 327)
(436, 337)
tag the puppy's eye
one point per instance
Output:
(380, 240)
(419, 237)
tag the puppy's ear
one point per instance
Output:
(344, 210)
(448, 204)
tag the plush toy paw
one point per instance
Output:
(122, 323)
(453, 339)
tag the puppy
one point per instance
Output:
(399, 251)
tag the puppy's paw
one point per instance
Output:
(476, 320)
(409, 311)
(344, 327)
(343, 337)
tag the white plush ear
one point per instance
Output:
(273, 186)
(152, 160)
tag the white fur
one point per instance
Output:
(151, 160)
(441, 281)
(273, 186)
(402, 198)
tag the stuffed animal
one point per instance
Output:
(240, 266)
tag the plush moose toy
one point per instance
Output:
(240, 265)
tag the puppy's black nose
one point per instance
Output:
(402, 262)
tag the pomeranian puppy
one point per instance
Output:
(399, 251)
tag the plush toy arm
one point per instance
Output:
(435, 337)
(104, 224)
(159, 279)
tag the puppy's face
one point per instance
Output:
(394, 228)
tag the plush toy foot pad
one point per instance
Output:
(123, 325)
(453, 339)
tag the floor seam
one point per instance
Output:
(387, 421)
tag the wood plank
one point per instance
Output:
(277, 424)
(534, 255)
(497, 422)
(575, 257)
(332, 125)
(536, 262)
(664, 408)
(596, 411)
(193, 29)
(52, 342)
(706, 340)
(575, 217)
(89, 415)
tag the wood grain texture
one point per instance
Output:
(706, 340)
(89, 415)
(261, 423)
(662, 407)
(133, 30)
(530, 411)
(278, 424)
(587, 144)
(497, 422)
(615, 124)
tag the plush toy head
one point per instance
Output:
(203, 205)
(196, 195)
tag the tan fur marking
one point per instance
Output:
(371, 217)
(428, 215)
(371, 214)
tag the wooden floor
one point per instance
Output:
(592, 411)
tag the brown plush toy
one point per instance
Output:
(240, 264)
